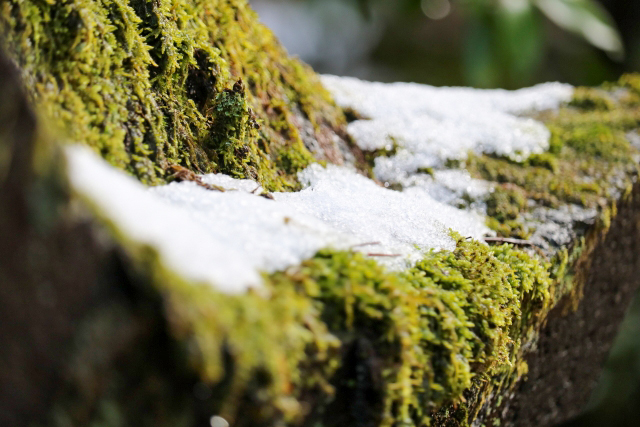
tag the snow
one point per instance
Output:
(228, 239)
(404, 223)
(429, 125)
(454, 187)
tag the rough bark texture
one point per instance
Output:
(574, 343)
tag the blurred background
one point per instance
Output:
(481, 43)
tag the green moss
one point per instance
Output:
(592, 99)
(506, 202)
(544, 160)
(292, 159)
(388, 151)
(454, 316)
(596, 140)
(456, 321)
(149, 83)
(426, 171)
(504, 206)
(631, 82)
(588, 162)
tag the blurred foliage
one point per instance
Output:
(505, 40)
(616, 400)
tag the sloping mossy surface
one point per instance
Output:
(149, 84)
(592, 159)
(439, 344)
(303, 354)
(592, 162)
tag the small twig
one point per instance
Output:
(180, 173)
(385, 255)
(519, 242)
(365, 244)
(254, 191)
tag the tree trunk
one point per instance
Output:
(97, 330)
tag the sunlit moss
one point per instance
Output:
(589, 161)
(153, 83)
(455, 321)
(454, 317)
(148, 84)
(592, 99)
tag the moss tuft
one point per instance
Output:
(504, 206)
(148, 83)
(589, 161)
(454, 317)
(544, 160)
(592, 99)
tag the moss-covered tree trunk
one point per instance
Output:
(95, 331)
(150, 84)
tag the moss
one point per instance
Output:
(506, 202)
(388, 151)
(149, 83)
(440, 340)
(426, 171)
(588, 163)
(592, 99)
(596, 140)
(290, 160)
(544, 160)
(455, 322)
(432, 324)
(631, 82)
(504, 206)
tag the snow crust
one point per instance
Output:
(227, 239)
(454, 187)
(429, 125)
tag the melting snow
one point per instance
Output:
(227, 239)
(429, 125)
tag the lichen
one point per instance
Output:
(148, 84)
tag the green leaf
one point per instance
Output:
(588, 19)
(480, 67)
(519, 39)
(503, 44)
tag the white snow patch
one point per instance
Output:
(227, 239)
(404, 223)
(454, 187)
(430, 125)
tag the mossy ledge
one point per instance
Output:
(149, 84)
(120, 340)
